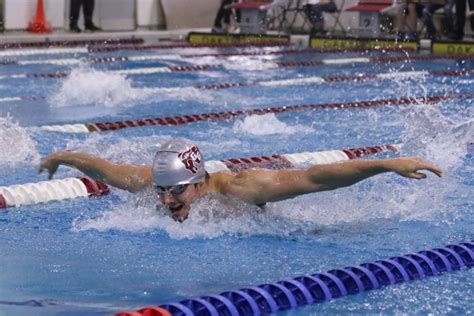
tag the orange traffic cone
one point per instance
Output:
(39, 24)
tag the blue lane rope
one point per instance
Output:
(325, 286)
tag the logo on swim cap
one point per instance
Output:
(190, 158)
(178, 161)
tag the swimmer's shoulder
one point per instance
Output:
(219, 181)
(225, 182)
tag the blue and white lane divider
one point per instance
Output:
(326, 286)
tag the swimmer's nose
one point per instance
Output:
(168, 198)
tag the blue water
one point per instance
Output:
(117, 252)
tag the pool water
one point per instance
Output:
(119, 252)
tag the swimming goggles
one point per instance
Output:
(174, 189)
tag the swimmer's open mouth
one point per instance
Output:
(176, 208)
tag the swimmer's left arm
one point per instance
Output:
(258, 186)
(132, 178)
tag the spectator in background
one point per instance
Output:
(411, 9)
(314, 9)
(427, 16)
(458, 32)
(88, 10)
(224, 15)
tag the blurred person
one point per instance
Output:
(407, 9)
(427, 16)
(314, 9)
(457, 33)
(222, 22)
(88, 10)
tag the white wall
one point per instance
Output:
(147, 13)
(185, 14)
(19, 12)
(150, 14)
(115, 15)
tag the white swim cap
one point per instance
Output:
(178, 161)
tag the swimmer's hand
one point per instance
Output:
(51, 163)
(410, 167)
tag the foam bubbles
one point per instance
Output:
(85, 86)
(267, 124)
(15, 143)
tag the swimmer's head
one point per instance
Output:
(178, 161)
(178, 171)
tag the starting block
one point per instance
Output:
(370, 15)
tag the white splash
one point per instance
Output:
(438, 138)
(267, 124)
(16, 144)
(85, 86)
(138, 150)
(210, 217)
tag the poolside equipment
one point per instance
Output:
(53, 190)
(243, 39)
(220, 116)
(449, 47)
(322, 287)
(39, 24)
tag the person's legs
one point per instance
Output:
(448, 13)
(427, 18)
(412, 17)
(88, 9)
(314, 13)
(458, 32)
(471, 18)
(400, 21)
(222, 14)
(74, 15)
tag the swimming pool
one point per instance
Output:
(117, 252)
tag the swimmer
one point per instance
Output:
(179, 178)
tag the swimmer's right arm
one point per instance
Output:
(127, 177)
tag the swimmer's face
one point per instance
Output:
(178, 199)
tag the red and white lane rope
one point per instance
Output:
(284, 82)
(96, 49)
(69, 188)
(297, 160)
(317, 50)
(325, 79)
(52, 190)
(221, 116)
(73, 43)
(327, 61)
(207, 67)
